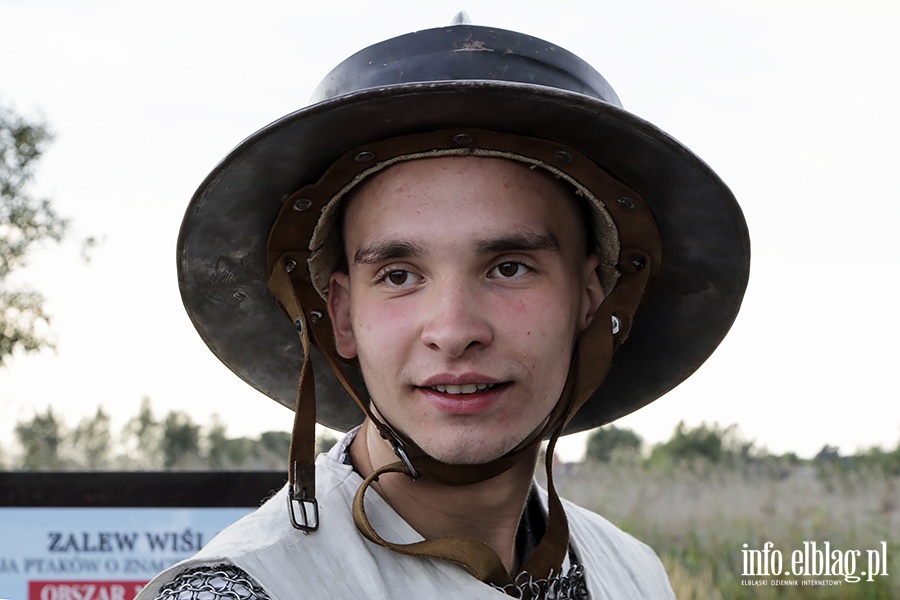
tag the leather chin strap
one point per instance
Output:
(289, 282)
(476, 557)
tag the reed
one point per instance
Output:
(699, 516)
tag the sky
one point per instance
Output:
(792, 102)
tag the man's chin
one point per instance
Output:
(468, 452)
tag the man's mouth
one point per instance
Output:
(470, 388)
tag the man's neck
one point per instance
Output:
(489, 511)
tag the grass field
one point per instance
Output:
(698, 519)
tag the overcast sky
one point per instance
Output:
(794, 103)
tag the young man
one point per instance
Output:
(464, 229)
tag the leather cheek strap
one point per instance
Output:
(289, 282)
(302, 470)
(598, 342)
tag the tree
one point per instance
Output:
(175, 442)
(24, 222)
(217, 446)
(607, 441)
(180, 440)
(144, 436)
(92, 441)
(711, 444)
(40, 440)
(702, 442)
(275, 444)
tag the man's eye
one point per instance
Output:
(397, 277)
(509, 269)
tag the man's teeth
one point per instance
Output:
(470, 388)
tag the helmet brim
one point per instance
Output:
(690, 307)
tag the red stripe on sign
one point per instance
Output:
(84, 590)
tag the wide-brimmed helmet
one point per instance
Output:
(261, 236)
(461, 87)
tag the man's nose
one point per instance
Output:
(456, 321)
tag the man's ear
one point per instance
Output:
(339, 311)
(592, 291)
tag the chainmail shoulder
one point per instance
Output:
(212, 583)
(570, 585)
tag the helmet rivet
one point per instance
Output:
(463, 139)
(564, 156)
(364, 156)
(301, 204)
(290, 265)
(315, 315)
(616, 325)
(626, 203)
(638, 262)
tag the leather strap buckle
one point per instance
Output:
(400, 451)
(304, 524)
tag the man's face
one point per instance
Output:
(468, 282)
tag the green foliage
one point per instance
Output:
(180, 439)
(41, 439)
(277, 443)
(709, 444)
(217, 445)
(606, 442)
(829, 460)
(24, 222)
(92, 441)
(145, 443)
(144, 435)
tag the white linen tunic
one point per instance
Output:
(338, 562)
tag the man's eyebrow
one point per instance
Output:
(518, 242)
(381, 251)
(523, 241)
